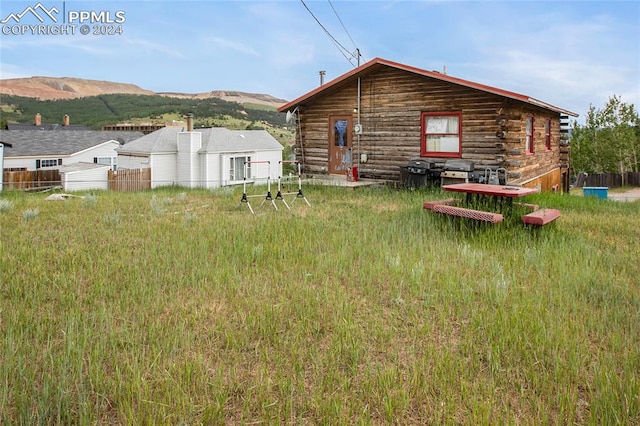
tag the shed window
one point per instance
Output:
(236, 168)
(441, 134)
(547, 135)
(529, 135)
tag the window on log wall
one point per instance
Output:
(547, 135)
(441, 134)
(529, 135)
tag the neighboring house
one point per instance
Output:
(84, 176)
(383, 114)
(206, 158)
(36, 149)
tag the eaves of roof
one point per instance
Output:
(377, 63)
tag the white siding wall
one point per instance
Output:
(107, 149)
(274, 157)
(86, 179)
(188, 163)
(211, 170)
(163, 170)
(133, 162)
(163, 167)
(28, 163)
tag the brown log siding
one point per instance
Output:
(390, 112)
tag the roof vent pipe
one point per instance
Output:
(66, 120)
(38, 120)
(322, 74)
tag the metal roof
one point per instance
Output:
(26, 143)
(377, 63)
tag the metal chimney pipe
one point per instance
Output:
(66, 120)
(189, 122)
(38, 120)
(322, 74)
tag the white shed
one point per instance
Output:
(84, 176)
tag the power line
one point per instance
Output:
(357, 51)
(336, 42)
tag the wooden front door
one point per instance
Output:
(340, 143)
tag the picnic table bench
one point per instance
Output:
(429, 205)
(541, 217)
(479, 215)
(499, 193)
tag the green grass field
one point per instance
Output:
(180, 307)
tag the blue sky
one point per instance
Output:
(567, 53)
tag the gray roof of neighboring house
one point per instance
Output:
(215, 139)
(220, 139)
(43, 142)
(162, 140)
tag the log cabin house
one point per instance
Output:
(380, 116)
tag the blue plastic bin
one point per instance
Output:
(596, 191)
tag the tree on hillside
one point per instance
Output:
(609, 141)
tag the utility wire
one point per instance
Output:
(336, 42)
(357, 51)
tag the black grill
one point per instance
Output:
(458, 165)
(417, 173)
(456, 171)
(419, 167)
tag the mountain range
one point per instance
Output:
(51, 88)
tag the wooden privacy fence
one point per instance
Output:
(127, 180)
(25, 179)
(611, 180)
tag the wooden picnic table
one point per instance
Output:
(493, 190)
(498, 193)
(475, 196)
